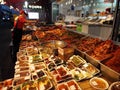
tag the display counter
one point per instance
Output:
(58, 59)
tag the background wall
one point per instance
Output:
(92, 6)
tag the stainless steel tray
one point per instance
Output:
(93, 61)
(106, 71)
(80, 53)
(109, 73)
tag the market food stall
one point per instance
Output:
(59, 59)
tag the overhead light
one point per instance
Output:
(94, 4)
(66, 3)
(29, 6)
(61, 5)
(74, 5)
(91, 1)
(89, 4)
(26, 4)
(40, 7)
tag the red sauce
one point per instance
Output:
(62, 87)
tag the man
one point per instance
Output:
(18, 30)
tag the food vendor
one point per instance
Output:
(60, 17)
(18, 26)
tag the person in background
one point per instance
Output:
(17, 33)
(87, 13)
(82, 15)
(60, 17)
(6, 64)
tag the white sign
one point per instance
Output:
(33, 15)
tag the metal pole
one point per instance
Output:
(116, 22)
(112, 7)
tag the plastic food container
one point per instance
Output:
(21, 65)
(41, 73)
(58, 78)
(72, 84)
(47, 61)
(60, 74)
(23, 58)
(35, 58)
(34, 76)
(61, 71)
(77, 74)
(21, 52)
(44, 83)
(115, 86)
(22, 74)
(31, 50)
(99, 83)
(30, 85)
(77, 60)
(51, 66)
(70, 65)
(7, 88)
(54, 72)
(62, 86)
(6, 85)
(21, 62)
(8, 82)
(90, 68)
(58, 61)
(19, 87)
(40, 66)
(19, 81)
(45, 55)
(69, 85)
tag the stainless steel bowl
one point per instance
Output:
(61, 44)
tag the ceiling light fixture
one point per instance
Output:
(26, 4)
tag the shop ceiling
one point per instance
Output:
(19, 3)
(39, 2)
